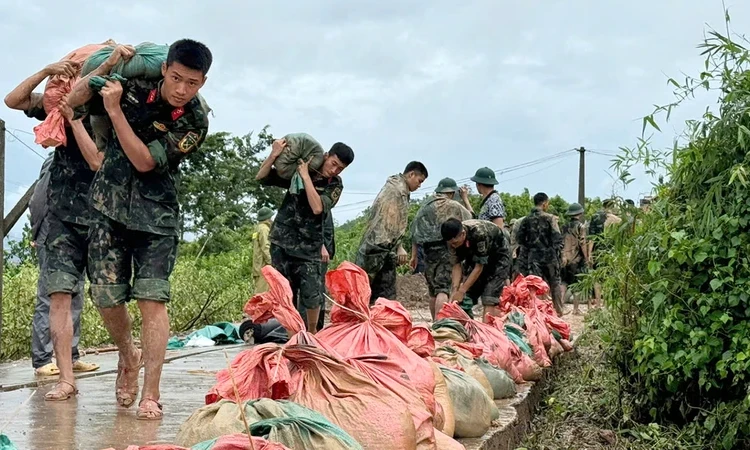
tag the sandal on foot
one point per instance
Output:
(149, 409)
(82, 366)
(59, 393)
(126, 385)
(47, 370)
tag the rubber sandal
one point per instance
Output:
(47, 370)
(126, 390)
(82, 366)
(145, 413)
(50, 397)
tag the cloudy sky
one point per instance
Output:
(457, 85)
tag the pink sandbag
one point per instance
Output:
(498, 349)
(421, 340)
(237, 441)
(51, 132)
(353, 332)
(388, 374)
(275, 303)
(393, 317)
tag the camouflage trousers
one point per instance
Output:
(438, 268)
(303, 276)
(381, 270)
(67, 249)
(118, 254)
(322, 316)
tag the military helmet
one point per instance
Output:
(486, 176)
(446, 185)
(264, 213)
(574, 209)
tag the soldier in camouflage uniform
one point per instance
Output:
(380, 250)
(261, 249)
(425, 231)
(540, 243)
(65, 246)
(297, 235)
(135, 228)
(575, 253)
(327, 253)
(483, 245)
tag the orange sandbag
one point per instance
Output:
(51, 132)
(497, 348)
(275, 303)
(388, 374)
(421, 340)
(353, 332)
(368, 412)
(259, 372)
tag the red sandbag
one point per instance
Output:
(421, 340)
(367, 411)
(353, 333)
(392, 316)
(498, 349)
(525, 292)
(51, 132)
(388, 374)
(275, 303)
(230, 442)
(260, 372)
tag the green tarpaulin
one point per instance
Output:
(221, 333)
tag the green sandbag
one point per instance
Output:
(502, 384)
(97, 83)
(145, 63)
(453, 325)
(223, 418)
(556, 334)
(303, 432)
(474, 411)
(518, 318)
(516, 335)
(6, 444)
(298, 146)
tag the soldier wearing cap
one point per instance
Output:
(575, 254)
(261, 248)
(492, 207)
(425, 232)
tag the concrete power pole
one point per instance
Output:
(582, 177)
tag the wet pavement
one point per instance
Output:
(93, 420)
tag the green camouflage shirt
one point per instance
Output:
(425, 228)
(539, 236)
(485, 244)
(297, 229)
(148, 201)
(69, 174)
(388, 218)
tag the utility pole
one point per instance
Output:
(2, 214)
(582, 177)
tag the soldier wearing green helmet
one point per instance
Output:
(575, 254)
(492, 207)
(425, 231)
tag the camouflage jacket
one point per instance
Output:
(425, 228)
(148, 201)
(69, 174)
(514, 237)
(485, 244)
(574, 242)
(539, 237)
(388, 218)
(297, 229)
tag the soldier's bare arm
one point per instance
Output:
(81, 92)
(265, 169)
(22, 97)
(456, 276)
(90, 152)
(469, 282)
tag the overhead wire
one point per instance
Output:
(24, 144)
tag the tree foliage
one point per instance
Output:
(677, 279)
(218, 190)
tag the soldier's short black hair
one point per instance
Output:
(416, 166)
(343, 152)
(539, 198)
(191, 54)
(450, 229)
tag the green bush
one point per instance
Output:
(677, 279)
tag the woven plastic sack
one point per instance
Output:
(145, 63)
(502, 384)
(473, 409)
(302, 432)
(421, 341)
(6, 444)
(237, 442)
(467, 365)
(353, 332)
(223, 418)
(555, 349)
(51, 132)
(449, 329)
(517, 335)
(298, 146)
(445, 419)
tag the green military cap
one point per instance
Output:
(485, 175)
(446, 185)
(574, 209)
(264, 213)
